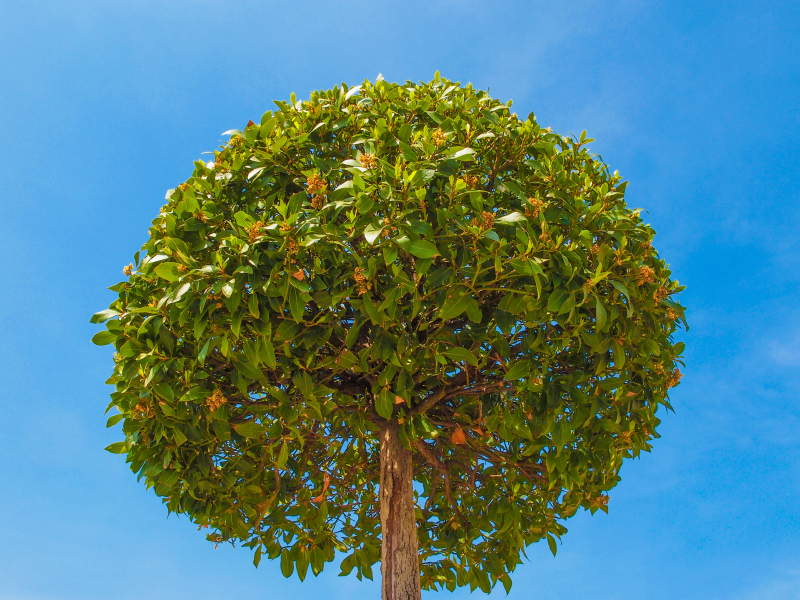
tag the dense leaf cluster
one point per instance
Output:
(412, 252)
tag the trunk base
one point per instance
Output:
(400, 572)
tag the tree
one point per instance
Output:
(398, 322)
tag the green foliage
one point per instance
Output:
(414, 252)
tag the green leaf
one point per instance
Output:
(371, 233)
(118, 448)
(346, 359)
(422, 249)
(650, 347)
(168, 271)
(455, 303)
(287, 564)
(165, 391)
(514, 217)
(619, 354)
(178, 294)
(624, 291)
(114, 419)
(422, 423)
(518, 370)
(352, 333)
(556, 299)
(268, 353)
(463, 153)
(375, 315)
(252, 304)
(103, 338)
(250, 429)
(248, 370)
(551, 541)
(236, 323)
(474, 312)
(526, 266)
(297, 305)
(103, 316)
(347, 565)
(179, 436)
(568, 304)
(600, 311)
(283, 455)
(201, 356)
(352, 91)
(389, 254)
(461, 355)
(384, 403)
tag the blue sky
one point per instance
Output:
(106, 104)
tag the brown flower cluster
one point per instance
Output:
(661, 293)
(619, 258)
(471, 181)
(672, 314)
(362, 284)
(316, 184)
(439, 137)
(127, 270)
(183, 268)
(292, 248)
(145, 409)
(486, 220)
(599, 502)
(285, 226)
(200, 216)
(183, 187)
(388, 231)
(595, 249)
(216, 400)
(644, 275)
(368, 161)
(674, 378)
(317, 202)
(534, 207)
(255, 230)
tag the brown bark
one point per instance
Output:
(400, 572)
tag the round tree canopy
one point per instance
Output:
(415, 254)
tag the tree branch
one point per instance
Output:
(439, 394)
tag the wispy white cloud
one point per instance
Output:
(785, 353)
(782, 586)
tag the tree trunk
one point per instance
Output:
(399, 553)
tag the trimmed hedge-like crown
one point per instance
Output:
(412, 252)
